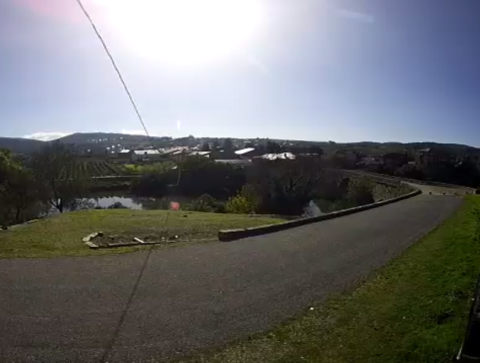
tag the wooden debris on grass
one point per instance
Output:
(113, 241)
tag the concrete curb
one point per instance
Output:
(235, 234)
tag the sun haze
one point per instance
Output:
(184, 31)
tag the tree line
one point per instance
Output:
(43, 181)
(282, 187)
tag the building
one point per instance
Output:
(205, 154)
(123, 156)
(223, 155)
(277, 156)
(247, 153)
(146, 155)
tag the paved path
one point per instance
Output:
(130, 308)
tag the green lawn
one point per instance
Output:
(413, 310)
(62, 235)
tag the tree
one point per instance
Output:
(205, 147)
(18, 190)
(287, 186)
(19, 194)
(248, 144)
(409, 171)
(395, 159)
(315, 150)
(204, 176)
(53, 167)
(227, 145)
(215, 145)
(7, 164)
(273, 147)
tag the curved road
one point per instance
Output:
(134, 307)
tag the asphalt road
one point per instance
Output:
(134, 307)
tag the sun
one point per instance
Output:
(184, 31)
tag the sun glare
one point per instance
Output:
(184, 31)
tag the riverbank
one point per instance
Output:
(413, 310)
(61, 235)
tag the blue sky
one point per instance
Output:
(379, 70)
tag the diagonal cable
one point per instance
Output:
(114, 64)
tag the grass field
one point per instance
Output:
(62, 235)
(413, 310)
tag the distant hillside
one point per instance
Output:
(379, 148)
(114, 141)
(19, 145)
(94, 140)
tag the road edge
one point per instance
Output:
(230, 235)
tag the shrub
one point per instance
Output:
(239, 205)
(207, 203)
(360, 192)
(247, 201)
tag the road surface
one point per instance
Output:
(134, 307)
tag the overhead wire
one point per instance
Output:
(114, 64)
(122, 80)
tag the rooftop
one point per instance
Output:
(245, 151)
(147, 152)
(283, 156)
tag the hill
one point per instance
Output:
(92, 140)
(115, 141)
(20, 145)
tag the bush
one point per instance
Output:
(244, 202)
(360, 192)
(239, 205)
(207, 203)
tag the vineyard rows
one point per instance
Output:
(92, 169)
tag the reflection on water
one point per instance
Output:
(132, 202)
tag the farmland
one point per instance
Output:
(93, 169)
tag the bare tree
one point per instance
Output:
(286, 186)
(54, 167)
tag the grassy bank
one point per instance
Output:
(413, 310)
(62, 235)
